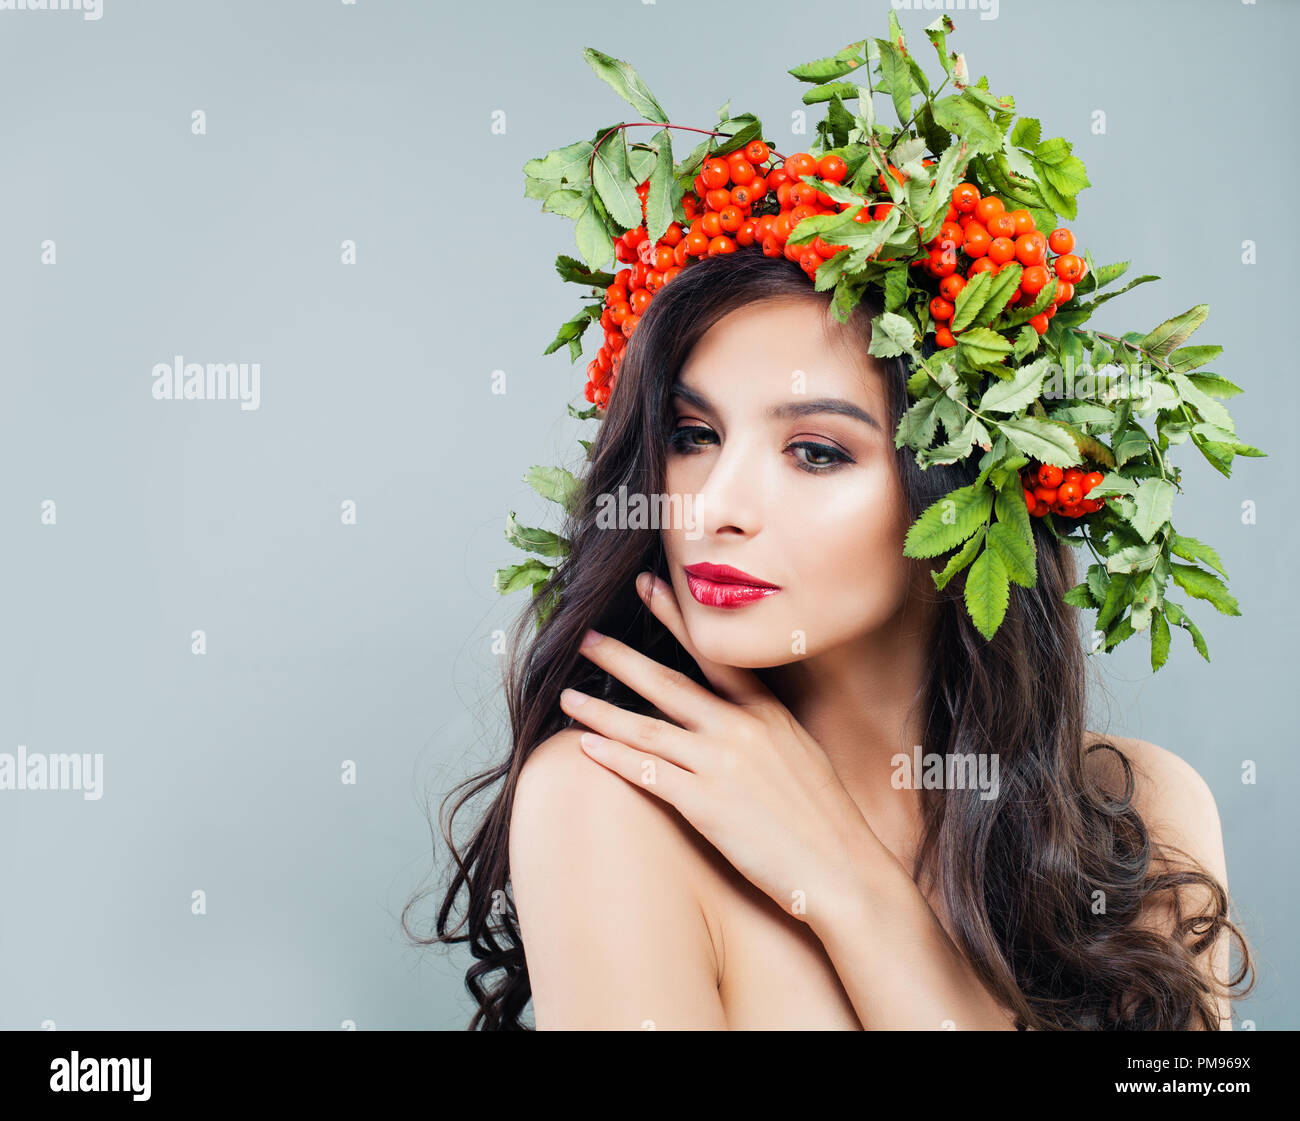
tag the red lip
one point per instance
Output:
(720, 585)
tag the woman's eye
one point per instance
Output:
(692, 437)
(818, 457)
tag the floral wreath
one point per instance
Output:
(953, 217)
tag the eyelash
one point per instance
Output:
(680, 438)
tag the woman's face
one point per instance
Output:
(784, 439)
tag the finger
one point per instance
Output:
(632, 728)
(735, 683)
(670, 691)
(661, 778)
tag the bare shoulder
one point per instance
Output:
(605, 887)
(1178, 809)
(1175, 801)
(562, 795)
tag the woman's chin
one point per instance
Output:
(743, 646)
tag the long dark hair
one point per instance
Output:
(1017, 874)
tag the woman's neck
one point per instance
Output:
(861, 704)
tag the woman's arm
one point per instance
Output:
(613, 930)
(896, 961)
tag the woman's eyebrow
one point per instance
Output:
(823, 405)
(791, 409)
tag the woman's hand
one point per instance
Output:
(738, 767)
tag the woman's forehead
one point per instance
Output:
(779, 349)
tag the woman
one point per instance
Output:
(751, 841)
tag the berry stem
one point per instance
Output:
(655, 124)
(928, 100)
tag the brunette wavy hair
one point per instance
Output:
(1017, 874)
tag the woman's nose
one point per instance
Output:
(730, 499)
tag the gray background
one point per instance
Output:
(372, 642)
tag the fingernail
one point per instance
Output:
(591, 638)
(573, 698)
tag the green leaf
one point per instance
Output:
(895, 289)
(575, 271)
(959, 560)
(964, 117)
(1042, 440)
(1144, 600)
(1002, 289)
(1098, 582)
(835, 66)
(1190, 357)
(572, 330)
(612, 179)
(983, 347)
(1092, 305)
(1060, 204)
(1010, 510)
(626, 83)
(1016, 394)
(1016, 554)
(896, 78)
(1054, 151)
(937, 32)
(969, 302)
(960, 445)
(519, 576)
(1129, 443)
(1193, 550)
(1103, 275)
(1155, 506)
(1215, 385)
(948, 521)
(1159, 640)
(555, 484)
(987, 591)
(1172, 333)
(1025, 132)
(566, 202)
(1079, 596)
(1085, 416)
(540, 541)
(891, 335)
(1133, 558)
(664, 192)
(1026, 342)
(1118, 633)
(1116, 597)
(1068, 177)
(830, 92)
(594, 242)
(567, 164)
(1203, 585)
(1180, 618)
(1207, 406)
(916, 427)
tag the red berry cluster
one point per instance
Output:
(1048, 489)
(720, 211)
(981, 232)
(721, 216)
